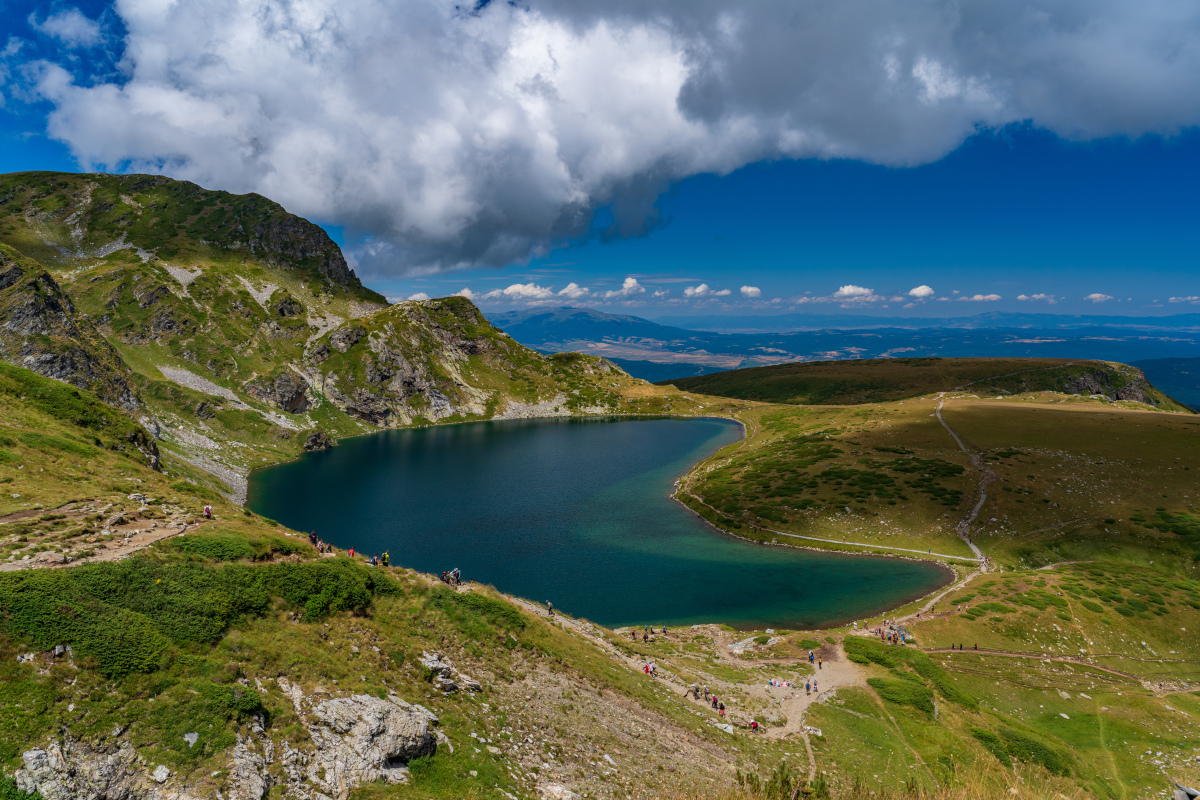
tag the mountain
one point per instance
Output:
(851, 382)
(223, 319)
(989, 319)
(659, 352)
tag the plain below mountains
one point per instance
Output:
(689, 347)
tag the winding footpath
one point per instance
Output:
(989, 476)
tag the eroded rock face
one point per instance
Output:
(287, 391)
(354, 740)
(71, 770)
(41, 331)
(363, 738)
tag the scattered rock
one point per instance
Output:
(554, 791)
(344, 338)
(161, 773)
(191, 739)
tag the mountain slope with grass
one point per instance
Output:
(856, 381)
(228, 320)
(147, 652)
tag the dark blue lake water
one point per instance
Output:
(577, 512)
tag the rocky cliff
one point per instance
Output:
(41, 331)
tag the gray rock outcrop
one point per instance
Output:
(318, 440)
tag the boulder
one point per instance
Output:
(362, 738)
(345, 338)
(318, 440)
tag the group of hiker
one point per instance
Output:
(712, 700)
(325, 547)
(453, 577)
(810, 685)
(891, 637)
(646, 633)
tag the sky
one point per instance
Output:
(678, 157)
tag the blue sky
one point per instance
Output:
(546, 160)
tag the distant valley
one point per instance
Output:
(1161, 346)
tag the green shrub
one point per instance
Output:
(993, 743)
(1092, 606)
(810, 644)
(125, 615)
(864, 651)
(9, 791)
(927, 669)
(762, 639)
(215, 546)
(903, 692)
(493, 611)
(1031, 749)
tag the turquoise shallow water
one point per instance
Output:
(577, 512)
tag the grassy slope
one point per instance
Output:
(879, 380)
(239, 613)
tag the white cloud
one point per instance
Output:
(465, 292)
(520, 291)
(696, 291)
(418, 296)
(751, 291)
(1096, 297)
(70, 27)
(628, 289)
(574, 291)
(921, 292)
(723, 293)
(457, 137)
(1193, 299)
(980, 298)
(1048, 298)
(659, 293)
(850, 291)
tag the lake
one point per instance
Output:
(577, 512)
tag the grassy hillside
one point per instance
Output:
(879, 380)
(218, 643)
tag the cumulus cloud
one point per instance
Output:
(1048, 298)
(628, 289)
(980, 298)
(70, 27)
(851, 291)
(661, 293)
(418, 296)
(1096, 297)
(574, 291)
(921, 292)
(696, 291)
(1193, 300)
(464, 292)
(520, 291)
(457, 137)
(751, 291)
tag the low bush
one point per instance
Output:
(1092, 606)
(1032, 749)
(809, 644)
(993, 743)
(903, 692)
(126, 615)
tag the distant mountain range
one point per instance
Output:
(991, 319)
(656, 352)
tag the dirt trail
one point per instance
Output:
(988, 476)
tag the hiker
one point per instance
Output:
(633, 634)
(815, 689)
(714, 702)
(819, 662)
(664, 630)
(808, 687)
(646, 668)
(549, 609)
(350, 552)
(976, 645)
(754, 726)
(810, 656)
(387, 561)
(721, 707)
(645, 636)
(705, 687)
(312, 538)
(208, 512)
